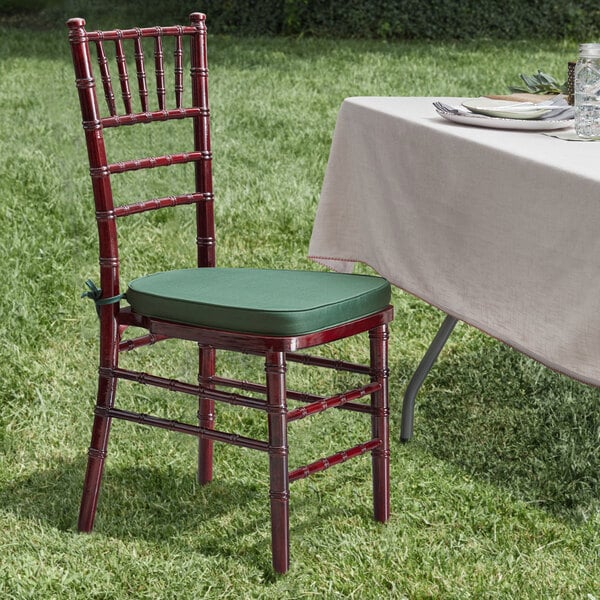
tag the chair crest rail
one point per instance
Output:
(138, 32)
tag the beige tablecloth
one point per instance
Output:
(500, 229)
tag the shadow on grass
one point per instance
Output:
(226, 519)
(159, 506)
(508, 420)
(133, 501)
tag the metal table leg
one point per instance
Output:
(408, 406)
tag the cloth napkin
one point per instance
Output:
(570, 136)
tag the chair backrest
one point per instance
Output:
(124, 49)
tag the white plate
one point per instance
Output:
(506, 109)
(498, 123)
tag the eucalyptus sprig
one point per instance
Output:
(540, 83)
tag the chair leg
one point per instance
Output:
(380, 423)
(206, 414)
(275, 368)
(97, 454)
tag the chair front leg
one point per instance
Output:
(206, 414)
(380, 423)
(275, 368)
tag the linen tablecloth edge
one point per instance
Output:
(581, 378)
(327, 260)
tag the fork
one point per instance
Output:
(446, 108)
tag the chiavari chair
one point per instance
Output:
(273, 313)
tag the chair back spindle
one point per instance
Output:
(123, 76)
(141, 73)
(160, 72)
(106, 81)
(178, 56)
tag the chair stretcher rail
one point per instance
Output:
(334, 459)
(186, 388)
(141, 341)
(290, 394)
(328, 363)
(333, 402)
(152, 421)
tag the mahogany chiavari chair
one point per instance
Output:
(274, 313)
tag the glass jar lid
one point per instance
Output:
(589, 50)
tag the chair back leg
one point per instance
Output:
(96, 453)
(380, 423)
(279, 489)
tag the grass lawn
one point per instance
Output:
(498, 495)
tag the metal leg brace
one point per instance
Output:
(408, 406)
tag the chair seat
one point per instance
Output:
(260, 301)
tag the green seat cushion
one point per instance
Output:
(268, 302)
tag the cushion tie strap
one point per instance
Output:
(94, 293)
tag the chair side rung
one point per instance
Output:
(156, 203)
(328, 363)
(333, 402)
(186, 388)
(334, 459)
(139, 342)
(156, 161)
(250, 386)
(171, 425)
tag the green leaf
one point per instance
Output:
(540, 83)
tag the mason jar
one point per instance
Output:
(587, 91)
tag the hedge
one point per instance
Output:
(379, 19)
(409, 19)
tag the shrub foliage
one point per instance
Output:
(409, 19)
(375, 19)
